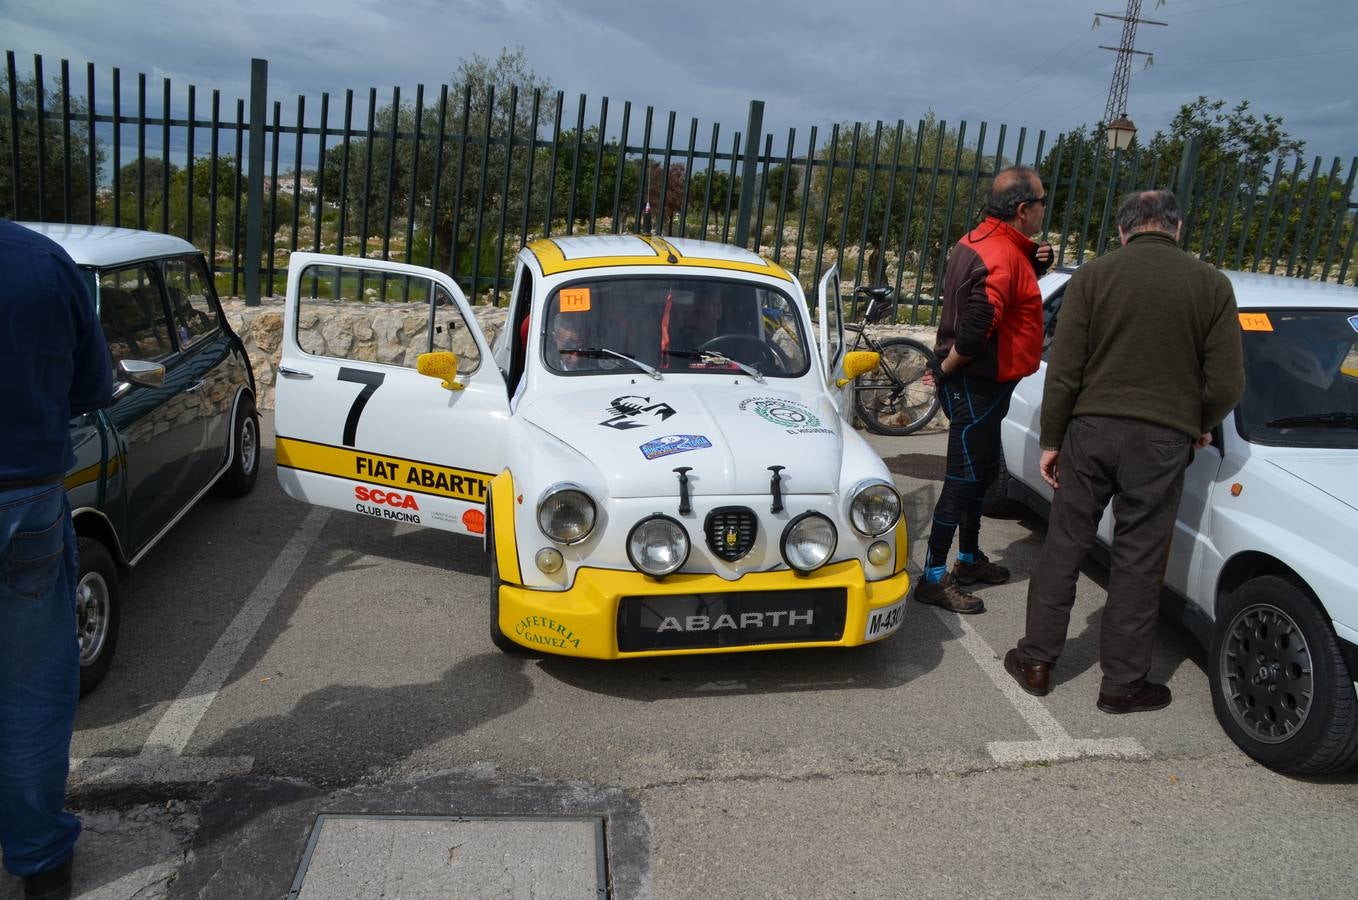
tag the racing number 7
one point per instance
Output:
(371, 381)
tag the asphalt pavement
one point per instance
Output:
(302, 699)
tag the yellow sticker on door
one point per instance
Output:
(373, 468)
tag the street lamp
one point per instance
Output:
(1120, 132)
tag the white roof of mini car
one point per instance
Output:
(104, 245)
(568, 254)
(1259, 289)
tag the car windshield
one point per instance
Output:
(1301, 377)
(666, 324)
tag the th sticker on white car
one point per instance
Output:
(884, 621)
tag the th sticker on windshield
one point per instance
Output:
(1255, 322)
(1353, 320)
(574, 300)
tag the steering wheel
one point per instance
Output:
(746, 348)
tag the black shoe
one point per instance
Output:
(1144, 699)
(50, 884)
(948, 595)
(1035, 678)
(982, 570)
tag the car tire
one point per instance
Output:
(98, 612)
(239, 479)
(497, 637)
(1279, 684)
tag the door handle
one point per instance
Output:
(193, 388)
(295, 373)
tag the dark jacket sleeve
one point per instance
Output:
(92, 370)
(976, 314)
(1065, 364)
(1223, 364)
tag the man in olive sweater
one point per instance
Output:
(1146, 361)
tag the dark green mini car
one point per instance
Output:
(183, 418)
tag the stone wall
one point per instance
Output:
(388, 333)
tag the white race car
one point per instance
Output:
(656, 450)
(1263, 560)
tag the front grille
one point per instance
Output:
(730, 619)
(731, 531)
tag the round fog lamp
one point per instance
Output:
(549, 560)
(658, 545)
(809, 541)
(879, 553)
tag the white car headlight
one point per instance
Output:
(809, 541)
(658, 545)
(566, 513)
(875, 507)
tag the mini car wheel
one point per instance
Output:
(97, 612)
(239, 479)
(497, 637)
(1279, 684)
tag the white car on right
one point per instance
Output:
(1264, 561)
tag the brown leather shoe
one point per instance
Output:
(1033, 677)
(1144, 699)
(982, 570)
(948, 595)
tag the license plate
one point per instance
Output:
(884, 621)
(730, 619)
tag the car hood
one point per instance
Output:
(728, 435)
(1331, 474)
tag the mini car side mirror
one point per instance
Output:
(137, 372)
(856, 362)
(440, 364)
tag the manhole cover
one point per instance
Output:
(435, 857)
(927, 466)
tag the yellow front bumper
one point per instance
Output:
(583, 620)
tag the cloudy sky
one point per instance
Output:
(1035, 64)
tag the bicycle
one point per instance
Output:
(900, 396)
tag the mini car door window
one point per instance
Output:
(451, 332)
(834, 334)
(381, 317)
(191, 307)
(132, 314)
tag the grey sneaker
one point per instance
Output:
(982, 570)
(948, 595)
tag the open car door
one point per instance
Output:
(831, 313)
(358, 428)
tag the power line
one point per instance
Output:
(1122, 68)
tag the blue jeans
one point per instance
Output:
(39, 676)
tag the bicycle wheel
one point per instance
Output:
(894, 398)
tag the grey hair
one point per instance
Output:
(1149, 211)
(1011, 187)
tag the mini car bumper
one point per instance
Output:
(611, 614)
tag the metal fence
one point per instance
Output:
(459, 181)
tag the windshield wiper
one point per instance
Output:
(1318, 420)
(599, 352)
(721, 359)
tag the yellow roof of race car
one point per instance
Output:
(568, 254)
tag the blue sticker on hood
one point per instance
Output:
(673, 443)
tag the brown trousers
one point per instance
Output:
(1140, 467)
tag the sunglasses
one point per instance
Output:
(1042, 200)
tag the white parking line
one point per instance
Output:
(1053, 742)
(161, 757)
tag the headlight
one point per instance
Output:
(566, 514)
(809, 542)
(875, 507)
(657, 545)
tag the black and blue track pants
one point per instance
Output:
(975, 406)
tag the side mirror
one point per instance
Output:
(857, 362)
(132, 372)
(440, 364)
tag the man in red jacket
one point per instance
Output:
(989, 336)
